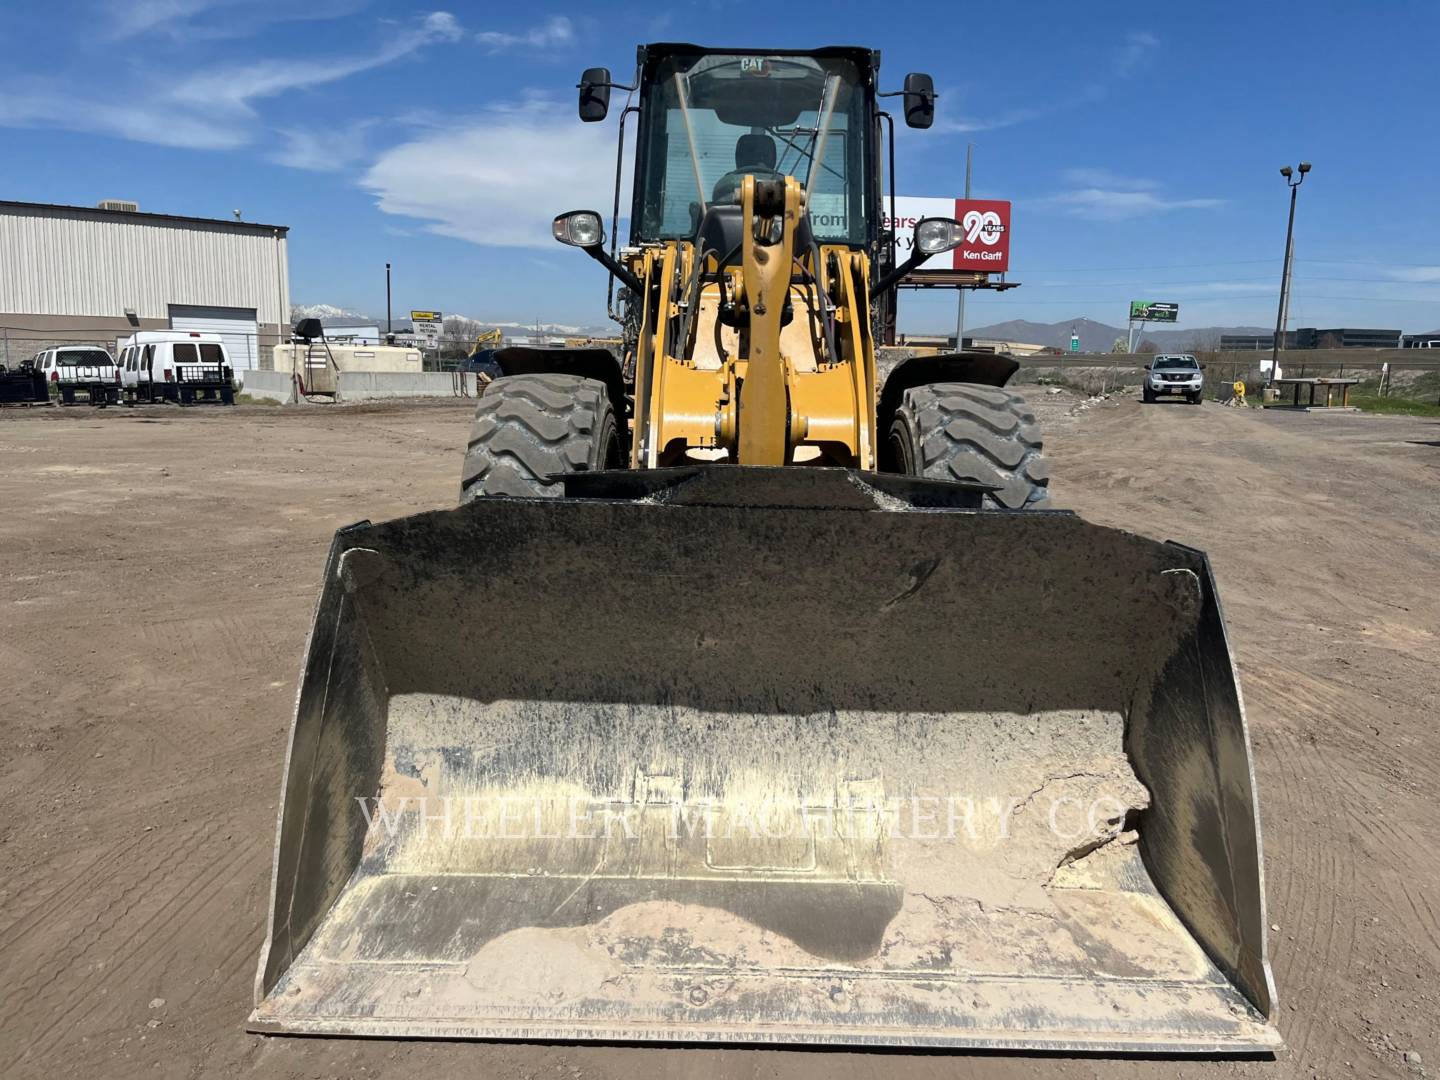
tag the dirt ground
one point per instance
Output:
(160, 569)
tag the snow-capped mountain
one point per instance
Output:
(323, 311)
(510, 328)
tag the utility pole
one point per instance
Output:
(389, 328)
(960, 317)
(1293, 182)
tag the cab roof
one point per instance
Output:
(866, 58)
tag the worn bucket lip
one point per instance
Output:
(1266, 1042)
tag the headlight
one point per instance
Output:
(934, 235)
(579, 228)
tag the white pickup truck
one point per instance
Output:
(1176, 375)
(70, 370)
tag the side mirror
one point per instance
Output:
(579, 228)
(1202, 367)
(594, 94)
(919, 100)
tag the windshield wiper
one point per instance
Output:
(828, 97)
(801, 152)
(690, 137)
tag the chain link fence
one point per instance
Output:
(1387, 378)
(247, 351)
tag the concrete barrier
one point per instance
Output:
(269, 386)
(375, 385)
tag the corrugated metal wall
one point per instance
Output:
(70, 262)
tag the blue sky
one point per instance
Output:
(1140, 143)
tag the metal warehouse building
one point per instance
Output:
(94, 274)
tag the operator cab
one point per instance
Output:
(709, 119)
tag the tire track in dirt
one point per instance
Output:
(28, 920)
(133, 952)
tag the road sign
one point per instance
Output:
(1153, 311)
(427, 325)
(1074, 342)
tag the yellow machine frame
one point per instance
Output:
(800, 404)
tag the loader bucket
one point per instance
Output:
(768, 756)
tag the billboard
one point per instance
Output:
(1153, 311)
(986, 247)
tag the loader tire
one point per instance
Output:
(528, 429)
(961, 431)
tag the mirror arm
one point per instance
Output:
(611, 85)
(605, 259)
(890, 280)
(906, 93)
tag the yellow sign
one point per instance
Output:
(425, 316)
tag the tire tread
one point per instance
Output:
(529, 428)
(984, 434)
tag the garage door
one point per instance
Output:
(236, 326)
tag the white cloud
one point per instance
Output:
(1102, 195)
(964, 125)
(1223, 287)
(553, 33)
(211, 110)
(500, 177)
(236, 87)
(1102, 204)
(323, 150)
(1138, 45)
(136, 120)
(1104, 178)
(212, 20)
(135, 17)
(1416, 274)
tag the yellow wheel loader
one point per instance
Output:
(743, 700)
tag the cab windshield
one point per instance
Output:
(1173, 363)
(770, 116)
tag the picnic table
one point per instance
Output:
(1331, 387)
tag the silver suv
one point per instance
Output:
(1174, 375)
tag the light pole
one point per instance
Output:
(389, 329)
(960, 315)
(1293, 182)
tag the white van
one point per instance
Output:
(79, 369)
(183, 366)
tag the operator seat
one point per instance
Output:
(754, 156)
